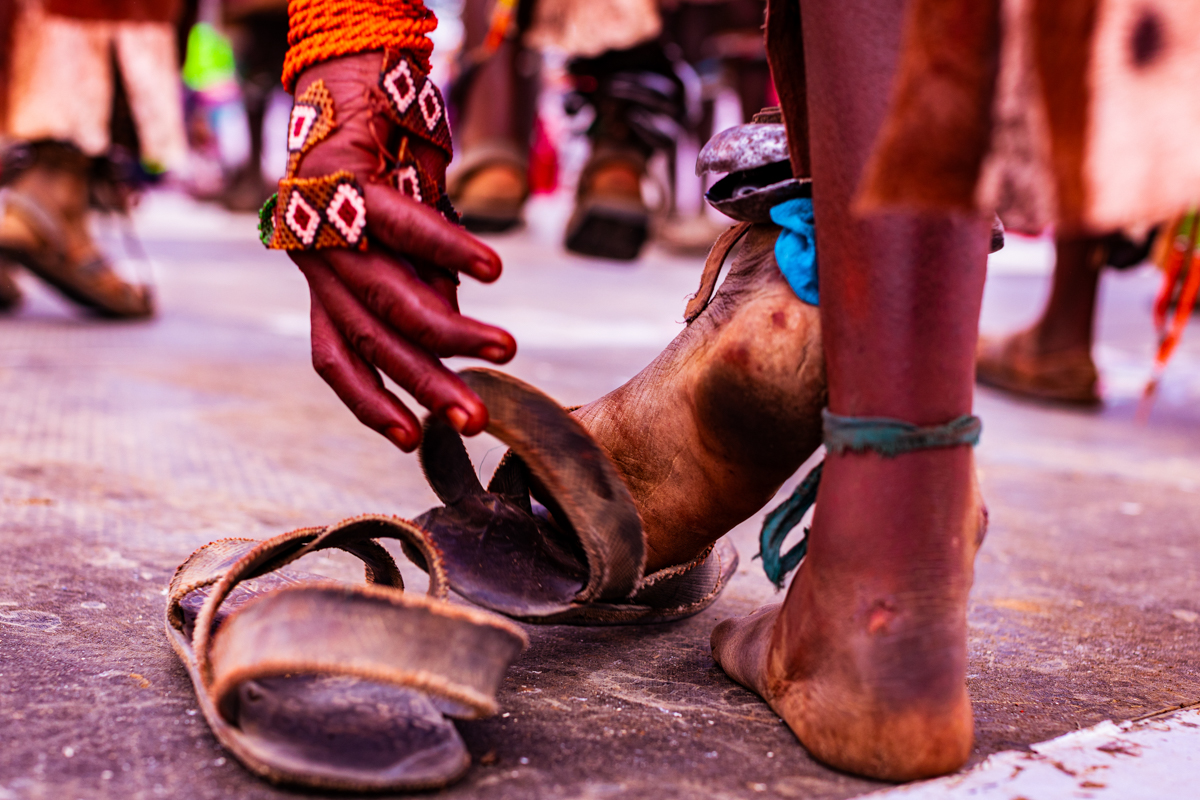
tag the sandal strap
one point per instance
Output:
(456, 654)
(887, 437)
(576, 473)
(211, 562)
(720, 250)
(353, 535)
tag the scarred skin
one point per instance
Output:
(393, 309)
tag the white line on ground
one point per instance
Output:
(1148, 760)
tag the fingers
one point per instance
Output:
(415, 369)
(414, 230)
(358, 385)
(396, 295)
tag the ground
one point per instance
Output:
(123, 447)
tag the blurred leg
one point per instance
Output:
(497, 107)
(1052, 359)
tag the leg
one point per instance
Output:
(866, 658)
(497, 111)
(262, 46)
(1052, 359)
(1067, 321)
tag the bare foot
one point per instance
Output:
(707, 433)
(866, 658)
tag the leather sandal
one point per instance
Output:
(85, 278)
(43, 227)
(323, 684)
(555, 537)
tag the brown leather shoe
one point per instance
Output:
(1013, 363)
(610, 219)
(43, 227)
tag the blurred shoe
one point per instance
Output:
(43, 227)
(1015, 365)
(10, 292)
(610, 219)
(488, 188)
(639, 107)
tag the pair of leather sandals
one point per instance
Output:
(318, 683)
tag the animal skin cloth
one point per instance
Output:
(61, 83)
(1076, 112)
(587, 28)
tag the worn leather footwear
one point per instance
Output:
(610, 220)
(43, 227)
(318, 683)
(1013, 364)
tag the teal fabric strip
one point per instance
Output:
(779, 523)
(888, 437)
(796, 247)
(892, 437)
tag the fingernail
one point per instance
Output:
(493, 352)
(486, 269)
(457, 418)
(400, 437)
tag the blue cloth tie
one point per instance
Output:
(796, 247)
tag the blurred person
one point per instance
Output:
(70, 63)
(621, 71)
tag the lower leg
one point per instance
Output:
(1068, 318)
(879, 690)
(1052, 359)
(497, 102)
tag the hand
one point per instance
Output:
(393, 308)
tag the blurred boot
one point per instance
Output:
(43, 227)
(638, 102)
(611, 220)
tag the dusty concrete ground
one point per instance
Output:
(123, 447)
